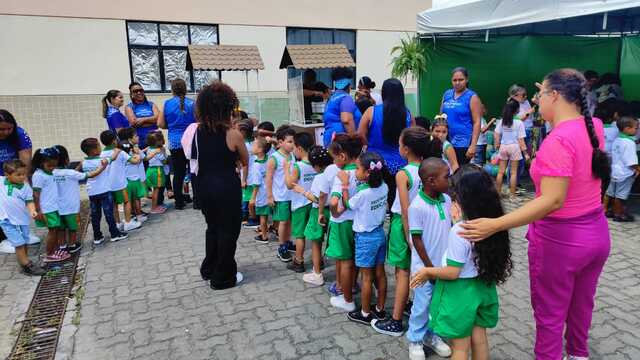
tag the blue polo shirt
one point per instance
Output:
(9, 152)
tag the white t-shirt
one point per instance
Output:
(318, 183)
(159, 159)
(46, 184)
(610, 135)
(141, 169)
(13, 204)
(459, 253)
(252, 158)
(99, 184)
(257, 173)
(377, 97)
(432, 220)
(623, 156)
(132, 171)
(278, 186)
(482, 138)
(411, 170)
(306, 174)
(524, 107)
(117, 172)
(68, 182)
(510, 135)
(336, 190)
(369, 206)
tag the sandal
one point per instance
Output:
(158, 210)
(623, 218)
(57, 257)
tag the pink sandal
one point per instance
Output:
(57, 256)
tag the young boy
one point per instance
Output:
(624, 167)
(302, 174)
(429, 225)
(258, 202)
(278, 197)
(16, 211)
(99, 190)
(118, 179)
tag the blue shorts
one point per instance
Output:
(620, 189)
(371, 248)
(18, 235)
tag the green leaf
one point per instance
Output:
(410, 58)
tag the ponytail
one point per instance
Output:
(600, 165)
(104, 107)
(106, 101)
(419, 142)
(179, 89)
(509, 111)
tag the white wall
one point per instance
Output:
(48, 55)
(271, 41)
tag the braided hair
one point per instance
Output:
(571, 84)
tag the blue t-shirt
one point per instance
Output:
(9, 152)
(339, 102)
(142, 110)
(459, 117)
(177, 120)
(389, 152)
(115, 119)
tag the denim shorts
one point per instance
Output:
(371, 248)
(620, 189)
(18, 235)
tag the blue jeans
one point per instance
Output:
(104, 203)
(481, 155)
(419, 318)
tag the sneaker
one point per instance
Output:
(239, 277)
(33, 269)
(283, 254)
(296, 266)
(141, 218)
(416, 352)
(609, 214)
(120, 226)
(120, 236)
(57, 256)
(623, 218)
(132, 225)
(252, 224)
(33, 240)
(379, 315)
(159, 210)
(313, 278)
(291, 246)
(435, 343)
(388, 327)
(340, 303)
(62, 247)
(261, 240)
(573, 357)
(356, 316)
(407, 308)
(98, 241)
(7, 248)
(333, 289)
(74, 248)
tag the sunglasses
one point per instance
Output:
(138, 91)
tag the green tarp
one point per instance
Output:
(502, 61)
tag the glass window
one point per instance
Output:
(158, 54)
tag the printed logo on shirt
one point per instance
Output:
(378, 203)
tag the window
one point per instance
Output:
(158, 54)
(305, 36)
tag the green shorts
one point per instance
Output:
(155, 177)
(398, 252)
(120, 196)
(247, 193)
(299, 219)
(340, 242)
(51, 221)
(459, 305)
(282, 211)
(314, 231)
(136, 189)
(263, 210)
(69, 222)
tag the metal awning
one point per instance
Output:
(224, 58)
(316, 56)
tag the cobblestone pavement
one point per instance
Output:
(145, 299)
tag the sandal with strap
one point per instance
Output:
(57, 257)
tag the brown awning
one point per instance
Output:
(316, 56)
(224, 58)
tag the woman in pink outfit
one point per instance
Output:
(568, 233)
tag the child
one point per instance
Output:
(415, 145)
(45, 197)
(440, 130)
(245, 127)
(68, 183)
(16, 211)
(429, 225)
(369, 206)
(302, 174)
(278, 197)
(605, 112)
(314, 231)
(509, 139)
(118, 179)
(345, 150)
(624, 167)
(258, 202)
(166, 168)
(267, 130)
(99, 191)
(157, 158)
(481, 146)
(465, 301)
(135, 173)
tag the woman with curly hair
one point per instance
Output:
(219, 147)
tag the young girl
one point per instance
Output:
(245, 127)
(369, 206)
(258, 202)
(161, 142)
(415, 145)
(345, 150)
(465, 300)
(157, 158)
(134, 172)
(45, 197)
(509, 139)
(440, 130)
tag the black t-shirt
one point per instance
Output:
(318, 86)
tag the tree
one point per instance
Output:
(411, 58)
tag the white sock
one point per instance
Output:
(365, 314)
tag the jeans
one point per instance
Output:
(180, 166)
(481, 155)
(419, 318)
(104, 203)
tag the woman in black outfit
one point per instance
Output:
(219, 147)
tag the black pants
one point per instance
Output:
(461, 155)
(221, 202)
(180, 166)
